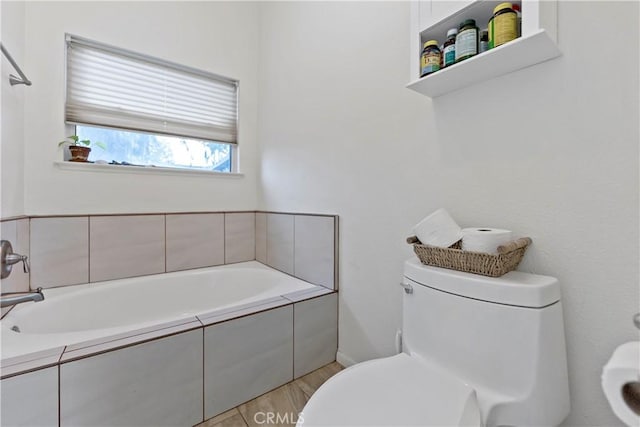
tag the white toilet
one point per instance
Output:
(477, 351)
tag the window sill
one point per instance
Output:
(157, 170)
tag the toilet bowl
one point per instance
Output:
(396, 391)
(476, 351)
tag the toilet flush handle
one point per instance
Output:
(407, 287)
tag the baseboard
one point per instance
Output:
(344, 360)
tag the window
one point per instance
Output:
(149, 111)
(143, 149)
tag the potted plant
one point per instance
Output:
(79, 148)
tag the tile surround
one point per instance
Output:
(59, 251)
(75, 249)
(314, 249)
(126, 246)
(194, 241)
(261, 237)
(316, 331)
(251, 336)
(158, 383)
(280, 240)
(40, 390)
(239, 237)
(130, 245)
(236, 352)
(17, 232)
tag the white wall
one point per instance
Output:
(219, 37)
(550, 152)
(12, 144)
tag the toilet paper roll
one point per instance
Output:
(486, 240)
(438, 229)
(621, 382)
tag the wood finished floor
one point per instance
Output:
(288, 399)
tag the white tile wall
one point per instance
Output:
(261, 237)
(280, 242)
(316, 333)
(247, 357)
(239, 237)
(30, 399)
(194, 240)
(126, 246)
(59, 251)
(314, 249)
(158, 383)
(72, 250)
(17, 232)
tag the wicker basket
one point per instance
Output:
(508, 257)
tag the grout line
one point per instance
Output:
(88, 248)
(336, 253)
(294, 246)
(29, 254)
(293, 342)
(266, 240)
(59, 394)
(241, 414)
(165, 243)
(203, 377)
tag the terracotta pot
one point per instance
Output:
(79, 153)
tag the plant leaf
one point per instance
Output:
(86, 142)
(74, 138)
(100, 144)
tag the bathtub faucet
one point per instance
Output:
(8, 258)
(13, 298)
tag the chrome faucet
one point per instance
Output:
(8, 258)
(13, 298)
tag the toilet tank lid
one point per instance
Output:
(514, 288)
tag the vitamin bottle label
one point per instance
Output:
(449, 54)
(505, 28)
(429, 64)
(466, 43)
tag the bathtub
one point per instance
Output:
(80, 313)
(190, 345)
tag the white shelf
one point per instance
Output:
(520, 53)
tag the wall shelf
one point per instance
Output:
(430, 20)
(515, 55)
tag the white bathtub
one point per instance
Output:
(74, 314)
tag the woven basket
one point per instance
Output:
(508, 257)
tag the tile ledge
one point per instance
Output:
(158, 170)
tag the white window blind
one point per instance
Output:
(112, 87)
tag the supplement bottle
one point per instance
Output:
(483, 46)
(467, 40)
(449, 52)
(430, 58)
(503, 25)
(516, 9)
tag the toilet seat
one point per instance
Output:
(401, 390)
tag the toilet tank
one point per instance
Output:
(503, 336)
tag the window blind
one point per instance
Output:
(112, 87)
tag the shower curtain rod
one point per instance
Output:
(22, 80)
